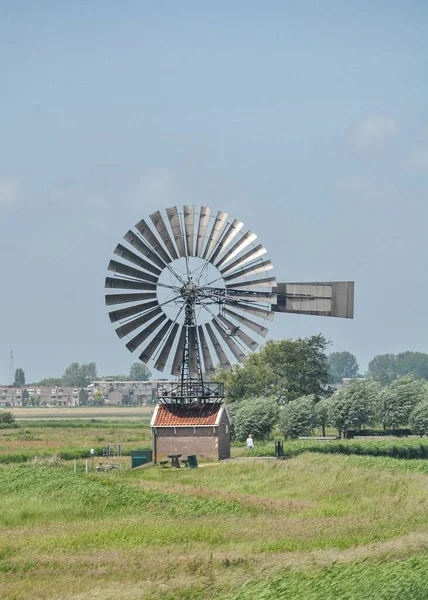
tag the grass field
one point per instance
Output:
(316, 526)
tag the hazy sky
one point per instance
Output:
(307, 120)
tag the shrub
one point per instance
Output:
(256, 416)
(355, 406)
(419, 419)
(7, 419)
(400, 398)
(298, 417)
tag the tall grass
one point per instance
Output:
(409, 448)
(404, 580)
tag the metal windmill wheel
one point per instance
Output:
(198, 291)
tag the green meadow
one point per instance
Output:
(337, 524)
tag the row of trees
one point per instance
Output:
(363, 403)
(383, 368)
(82, 374)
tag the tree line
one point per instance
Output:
(78, 375)
(293, 383)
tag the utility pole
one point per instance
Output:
(11, 368)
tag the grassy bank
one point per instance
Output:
(315, 526)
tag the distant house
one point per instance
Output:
(41, 396)
(114, 399)
(203, 431)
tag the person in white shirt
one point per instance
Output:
(250, 442)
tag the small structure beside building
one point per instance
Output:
(203, 431)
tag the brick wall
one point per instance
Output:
(187, 440)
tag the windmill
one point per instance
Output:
(192, 288)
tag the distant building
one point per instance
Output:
(40, 396)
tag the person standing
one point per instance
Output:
(250, 442)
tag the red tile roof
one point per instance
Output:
(179, 416)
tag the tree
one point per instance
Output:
(342, 365)
(418, 419)
(322, 411)
(412, 362)
(139, 372)
(254, 379)
(19, 381)
(256, 416)
(298, 417)
(355, 406)
(382, 368)
(385, 368)
(25, 398)
(286, 370)
(98, 399)
(50, 382)
(79, 375)
(6, 418)
(399, 399)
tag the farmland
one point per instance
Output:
(317, 525)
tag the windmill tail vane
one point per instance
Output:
(193, 289)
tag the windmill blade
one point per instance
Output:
(163, 356)
(217, 227)
(233, 347)
(152, 240)
(327, 299)
(259, 329)
(193, 362)
(137, 260)
(208, 363)
(147, 331)
(174, 221)
(245, 241)
(160, 226)
(132, 325)
(122, 269)
(124, 313)
(253, 254)
(245, 295)
(139, 245)
(204, 219)
(189, 226)
(265, 282)
(125, 298)
(126, 284)
(178, 357)
(149, 350)
(235, 331)
(258, 268)
(230, 233)
(224, 361)
(262, 313)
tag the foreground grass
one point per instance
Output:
(312, 527)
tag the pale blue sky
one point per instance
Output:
(307, 120)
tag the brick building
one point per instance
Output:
(203, 431)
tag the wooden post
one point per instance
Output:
(75, 465)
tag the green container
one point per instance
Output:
(192, 461)
(141, 457)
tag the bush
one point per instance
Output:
(256, 416)
(419, 419)
(298, 417)
(400, 398)
(7, 419)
